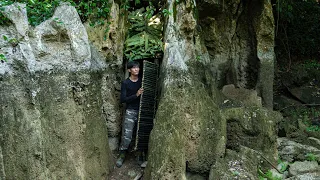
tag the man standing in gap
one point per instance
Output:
(130, 94)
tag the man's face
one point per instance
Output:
(134, 70)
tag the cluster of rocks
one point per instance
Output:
(299, 161)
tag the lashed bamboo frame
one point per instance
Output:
(140, 104)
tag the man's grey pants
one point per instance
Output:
(129, 122)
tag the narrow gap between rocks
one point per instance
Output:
(130, 168)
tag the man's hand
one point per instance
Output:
(139, 92)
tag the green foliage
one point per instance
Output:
(3, 58)
(198, 58)
(12, 41)
(144, 39)
(235, 173)
(311, 157)
(306, 115)
(283, 166)
(136, 2)
(297, 30)
(125, 5)
(95, 11)
(5, 38)
(313, 128)
(268, 175)
(166, 12)
(311, 64)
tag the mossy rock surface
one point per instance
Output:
(189, 131)
(51, 126)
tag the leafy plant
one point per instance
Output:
(12, 41)
(268, 175)
(94, 11)
(283, 165)
(3, 58)
(166, 12)
(307, 116)
(235, 173)
(311, 64)
(198, 58)
(125, 5)
(58, 20)
(311, 157)
(313, 128)
(5, 38)
(144, 38)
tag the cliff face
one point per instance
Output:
(57, 93)
(198, 128)
(239, 37)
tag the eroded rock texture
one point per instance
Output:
(239, 37)
(209, 44)
(57, 96)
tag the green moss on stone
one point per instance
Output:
(188, 129)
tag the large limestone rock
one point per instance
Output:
(252, 127)
(17, 13)
(239, 37)
(306, 176)
(308, 94)
(51, 96)
(303, 167)
(240, 165)
(65, 22)
(290, 150)
(191, 129)
(108, 40)
(246, 96)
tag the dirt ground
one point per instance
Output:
(130, 169)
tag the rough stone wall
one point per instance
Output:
(239, 36)
(110, 45)
(189, 130)
(53, 92)
(205, 50)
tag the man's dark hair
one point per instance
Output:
(132, 64)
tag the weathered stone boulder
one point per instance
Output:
(291, 151)
(52, 97)
(239, 37)
(246, 96)
(236, 165)
(314, 141)
(191, 129)
(303, 167)
(66, 25)
(308, 94)
(190, 176)
(252, 127)
(108, 40)
(17, 13)
(309, 176)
